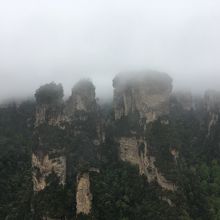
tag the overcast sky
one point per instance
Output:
(65, 40)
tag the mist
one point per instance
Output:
(64, 41)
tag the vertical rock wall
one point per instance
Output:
(135, 151)
(146, 93)
(43, 166)
(83, 194)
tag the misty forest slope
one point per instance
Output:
(150, 154)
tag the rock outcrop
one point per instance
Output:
(57, 113)
(82, 99)
(49, 111)
(79, 118)
(43, 166)
(50, 114)
(83, 194)
(49, 98)
(135, 151)
(147, 93)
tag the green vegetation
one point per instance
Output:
(49, 94)
(15, 161)
(119, 192)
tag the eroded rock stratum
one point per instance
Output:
(68, 118)
(135, 151)
(83, 194)
(43, 166)
(146, 93)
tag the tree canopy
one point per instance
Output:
(50, 93)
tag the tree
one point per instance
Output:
(51, 93)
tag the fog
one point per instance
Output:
(62, 41)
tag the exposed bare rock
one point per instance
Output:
(40, 116)
(82, 98)
(128, 150)
(184, 98)
(135, 151)
(73, 114)
(83, 194)
(50, 114)
(43, 166)
(49, 99)
(147, 93)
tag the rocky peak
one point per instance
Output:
(82, 98)
(52, 110)
(49, 99)
(147, 93)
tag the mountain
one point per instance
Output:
(151, 154)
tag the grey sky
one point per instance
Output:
(62, 41)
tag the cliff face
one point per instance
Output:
(135, 151)
(58, 113)
(83, 194)
(145, 93)
(76, 123)
(85, 157)
(44, 166)
(77, 150)
(149, 95)
(82, 99)
(50, 114)
(82, 108)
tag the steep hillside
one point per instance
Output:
(151, 154)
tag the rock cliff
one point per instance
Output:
(50, 114)
(132, 160)
(147, 93)
(82, 99)
(135, 151)
(83, 194)
(44, 166)
(78, 119)
(49, 104)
